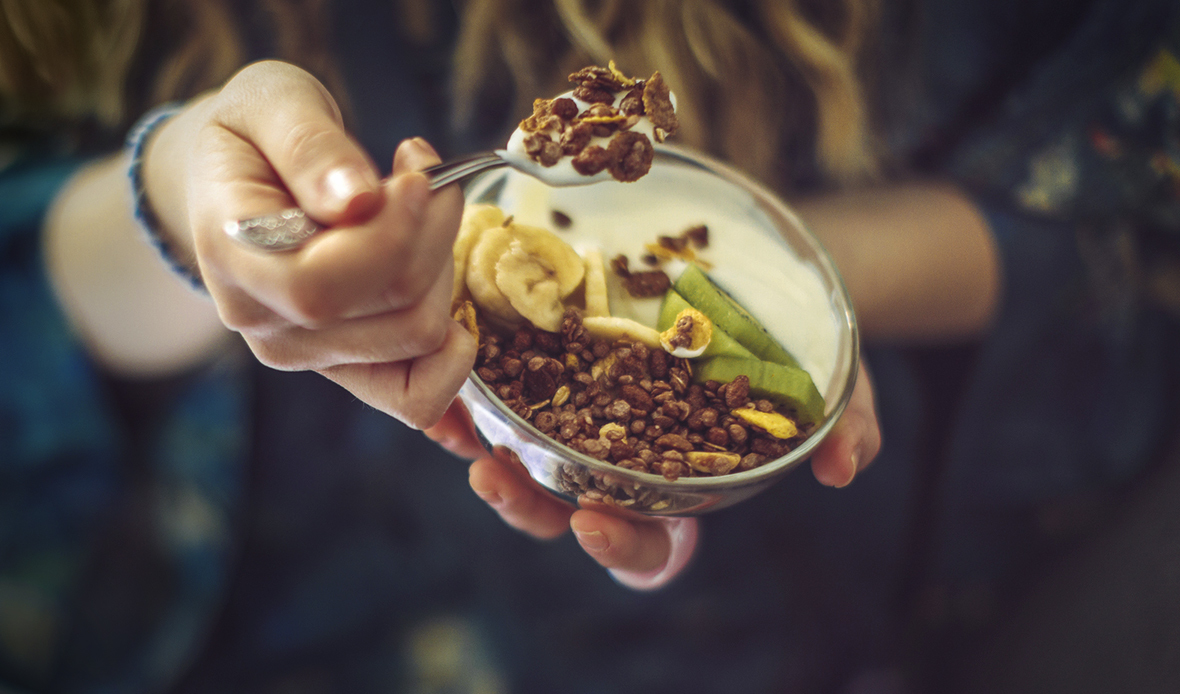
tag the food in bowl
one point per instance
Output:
(705, 391)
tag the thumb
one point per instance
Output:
(296, 125)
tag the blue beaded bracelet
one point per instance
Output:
(136, 141)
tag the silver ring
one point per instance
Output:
(281, 231)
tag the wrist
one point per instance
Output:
(144, 175)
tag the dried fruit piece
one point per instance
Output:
(623, 80)
(464, 315)
(773, 423)
(712, 463)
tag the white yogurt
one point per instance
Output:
(750, 260)
(563, 173)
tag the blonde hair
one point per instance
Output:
(70, 59)
(743, 94)
(67, 59)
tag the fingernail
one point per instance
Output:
(417, 196)
(414, 154)
(490, 498)
(593, 541)
(855, 460)
(423, 152)
(343, 183)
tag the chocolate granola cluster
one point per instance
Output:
(558, 128)
(626, 403)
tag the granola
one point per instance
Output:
(627, 404)
(602, 135)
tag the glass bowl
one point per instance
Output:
(682, 188)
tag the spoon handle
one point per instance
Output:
(457, 169)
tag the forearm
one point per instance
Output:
(919, 260)
(132, 312)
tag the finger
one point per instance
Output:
(390, 337)
(853, 442)
(456, 433)
(415, 392)
(386, 264)
(295, 123)
(521, 502)
(616, 543)
(414, 154)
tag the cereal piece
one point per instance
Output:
(632, 103)
(620, 265)
(575, 138)
(542, 149)
(591, 160)
(698, 235)
(631, 156)
(561, 220)
(646, 284)
(594, 95)
(676, 244)
(657, 104)
(598, 78)
(563, 108)
(546, 115)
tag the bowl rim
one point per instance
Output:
(770, 469)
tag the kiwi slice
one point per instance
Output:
(702, 294)
(788, 386)
(722, 344)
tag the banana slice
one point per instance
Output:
(476, 220)
(616, 328)
(539, 270)
(564, 262)
(481, 277)
(530, 284)
(597, 303)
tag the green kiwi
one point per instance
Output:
(721, 345)
(788, 386)
(702, 294)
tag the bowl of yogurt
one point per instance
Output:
(673, 448)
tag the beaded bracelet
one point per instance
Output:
(136, 141)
